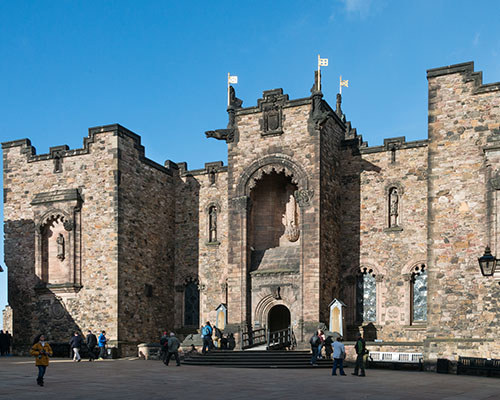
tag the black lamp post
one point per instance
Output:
(487, 262)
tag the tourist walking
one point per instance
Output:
(361, 351)
(91, 341)
(173, 349)
(206, 333)
(338, 356)
(41, 350)
(164, 346)
(314, 341)
(322, 338)
(76, 344)
(328, 347)
(102, 345)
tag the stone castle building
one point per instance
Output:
(305, 212)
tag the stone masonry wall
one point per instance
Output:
(367, 240)
(92, 171)
(146, 235)
(248, 156)
(187, 231)
(332, 134)
(464, 121)
(212, 255)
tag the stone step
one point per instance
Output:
(256, 359)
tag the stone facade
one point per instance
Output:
(305, 212)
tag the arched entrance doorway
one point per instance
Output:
(278, 318)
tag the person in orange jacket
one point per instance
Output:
(41, 350)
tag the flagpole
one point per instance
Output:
(340, 85)
(228, 74)
(319, 76)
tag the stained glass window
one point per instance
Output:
(191, 305)
(419, 290)
(366, 297)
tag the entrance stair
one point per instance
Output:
(256, 359)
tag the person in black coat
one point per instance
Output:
(91, 340)
(76, 344)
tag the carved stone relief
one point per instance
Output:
(271, 106)
(304, 197)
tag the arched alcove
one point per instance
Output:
(278, 318)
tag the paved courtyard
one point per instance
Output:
(147, 380)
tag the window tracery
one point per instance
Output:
(366, 296)
(419, 294)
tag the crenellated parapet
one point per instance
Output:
(57, 153)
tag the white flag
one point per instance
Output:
(323, 62)
(233, 79)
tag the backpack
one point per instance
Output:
(206, 331)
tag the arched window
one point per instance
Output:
(366, 296)
(419, 294)
(212, 224)
(191, 305)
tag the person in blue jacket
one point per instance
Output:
(206, 332)
(102, 345)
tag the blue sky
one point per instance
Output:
(159, 67)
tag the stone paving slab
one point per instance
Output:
(151, 380)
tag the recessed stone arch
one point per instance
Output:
(267, 164)
(408, 272)
(264, 306)
(54, 215)
(350, 291)
(409, 267)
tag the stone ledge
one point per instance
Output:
(466, 67)
(56, 195)
(393, 229)
(274, 272)
(57, 288)
(458, 340)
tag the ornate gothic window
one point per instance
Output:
(366, 296)
(191, 305)
(419, 294)
(212, 224)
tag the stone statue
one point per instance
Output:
(290, 220)
(60, 247)
(213, 224)
(394, 207)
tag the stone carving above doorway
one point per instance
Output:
(271, 105)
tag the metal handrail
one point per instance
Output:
(253, 337)
(281, 338)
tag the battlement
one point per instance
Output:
(467, 69)
(64, 150)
